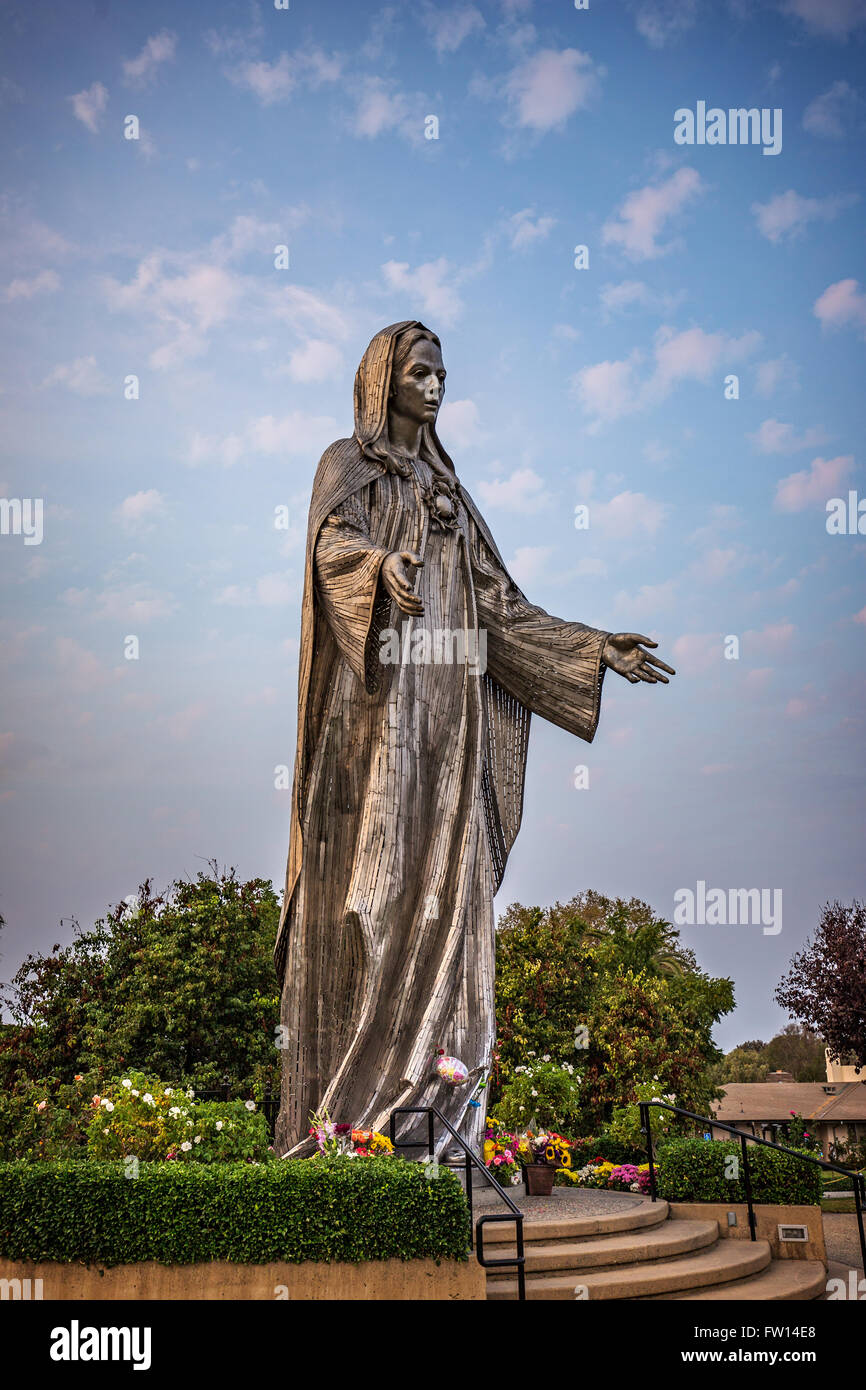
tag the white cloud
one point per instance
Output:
(82, 376)
(841, 305)
(382, 107)
(834, 19)
(831, 113)
(273, 82)
(697, 652)
(159, 49)
(81, 671)
(644, 213)
(608, 390)
(524, 228)
(141, 508)
(628, 514)
(776, 437)
(549, 87)
(428, 285)
(787, 214)
(716, 564)
(315, 360)
(523, 491)
(449, 28)
(45, 282)
(817, 485)
(776, 372)
(457, 424)
(271, 591)
(659, 21)
(296, 433)
(616, 299)
(529, 562)
(88, 106)
(649, 600)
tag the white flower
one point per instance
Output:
(189, 1124)
(190, 1093)
(546, 1057)
(197, 1139)
(533, 1093)
(105, 1131)
(530, 1054)
(522, 1107)
(126, 1083)
(250, 1104)
(219, 1124)
(148, 1098)
(168, 1091)
(174, 1111)
(136, 1093)
(108, 1105)
(186, 1146)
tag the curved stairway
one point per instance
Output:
(641, 1252)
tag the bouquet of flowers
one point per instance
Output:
(332, 1140)
(501, 1153)
(547, 1147)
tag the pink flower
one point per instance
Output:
(509, 1156)
(497, 1160)
(42, 1104)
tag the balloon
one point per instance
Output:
(452, 1070)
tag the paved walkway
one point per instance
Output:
(563, 1201)
(842, 1239)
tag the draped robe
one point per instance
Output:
(407, 799)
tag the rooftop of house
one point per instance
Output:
(823, 1101)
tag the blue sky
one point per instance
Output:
(605, 386)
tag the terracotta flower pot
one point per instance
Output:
(539, 1179)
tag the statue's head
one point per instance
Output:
(401, 374)
(417, 377)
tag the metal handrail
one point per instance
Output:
(858, 1180)
(471, 1160)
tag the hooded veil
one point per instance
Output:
(408, 784)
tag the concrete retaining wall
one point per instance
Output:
(768, 1219)
(412, 1280)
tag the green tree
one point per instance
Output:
(797, 1050)
(180, 984)
(607, 985)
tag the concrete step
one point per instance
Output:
(637, 1217)
(782, 1281)
(716, 1265)
(606, 1252)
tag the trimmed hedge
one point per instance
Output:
(341, 1209)
(693, 1170)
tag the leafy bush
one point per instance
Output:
(45, 1120)
(541, 1095)
(607, 1149)
(340, 1209)
(696, 1170)
(140, 1117)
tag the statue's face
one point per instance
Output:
(419, 385)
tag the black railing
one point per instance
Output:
(471, 1161)
(858, 1181)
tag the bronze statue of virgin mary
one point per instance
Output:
(408, 786)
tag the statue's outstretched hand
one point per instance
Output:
(624, 654)
(399, 580)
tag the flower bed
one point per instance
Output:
(293, 1210)
(613, 1177)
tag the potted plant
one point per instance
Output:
(541, 1155)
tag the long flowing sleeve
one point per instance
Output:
(347, 567)
(552, 667)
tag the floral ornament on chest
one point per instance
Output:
(440, 499)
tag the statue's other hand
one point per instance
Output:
(399, 580)
(624, 653)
